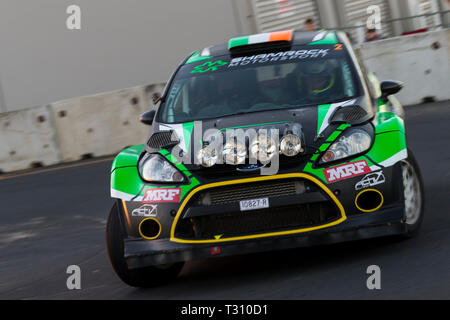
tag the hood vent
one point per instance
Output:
(163, 139)
(349, 114)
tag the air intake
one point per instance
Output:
(369, 200)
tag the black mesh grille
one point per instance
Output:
(163, 139)
(257, 221)
(237, 223)
(235, 193)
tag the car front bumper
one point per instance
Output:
(141, 253)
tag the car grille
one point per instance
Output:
(237, 223)
(248, 191)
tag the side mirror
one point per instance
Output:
(390, 87)
(147, 117)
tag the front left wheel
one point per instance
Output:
(142, 277)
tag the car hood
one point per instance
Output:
(313, 120)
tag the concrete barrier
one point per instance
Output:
(73, 129)
(27, 139)
(420, 60)
(105, 123)
(101, 124)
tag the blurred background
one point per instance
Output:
(68, 96)
(123, 45)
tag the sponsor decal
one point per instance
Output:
(279, 56)
(346, 171)
(370, 180)
(147, 210)
(209, 66)
(162, 195)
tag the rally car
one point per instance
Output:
(270, 141)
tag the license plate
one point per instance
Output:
(254, 204)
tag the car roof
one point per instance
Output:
(260, 41)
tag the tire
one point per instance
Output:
(413, 191)
(143, 277)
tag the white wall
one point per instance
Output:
(413, 59)
(122, 44)
(96, 125)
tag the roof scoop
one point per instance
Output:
(268, 39)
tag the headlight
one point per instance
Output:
(207, 156)
(353, 142)
(155, 168)
(234, 153)
(263, 148)
(290, 145)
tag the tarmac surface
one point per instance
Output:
(55, 217)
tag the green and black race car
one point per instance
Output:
(270, 141)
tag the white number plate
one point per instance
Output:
(254, 204)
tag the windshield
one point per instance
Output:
(222, 86)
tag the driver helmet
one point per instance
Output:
(319, 77)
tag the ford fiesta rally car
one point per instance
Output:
(342, 168)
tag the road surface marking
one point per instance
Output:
(54, 169)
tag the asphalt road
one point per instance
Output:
(56, 217)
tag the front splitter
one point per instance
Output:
(142, 253)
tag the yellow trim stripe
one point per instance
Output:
(271, 234)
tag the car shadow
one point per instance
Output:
(227, 276)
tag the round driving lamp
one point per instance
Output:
(263, 148)
(207, 156)
(290, 145)
(234, 153)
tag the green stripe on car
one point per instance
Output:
(322, 112)
(196, 57)
(237, 42)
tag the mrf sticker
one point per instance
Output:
(162, 195)
(346, 171)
